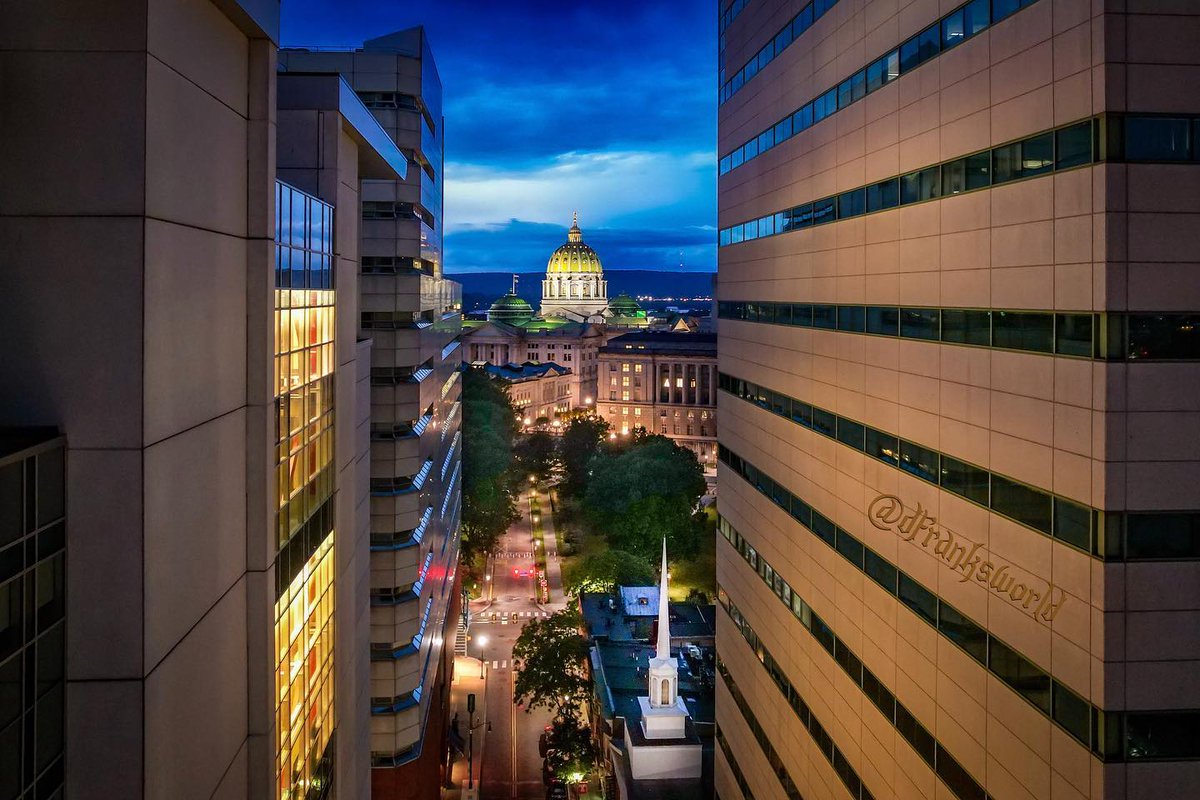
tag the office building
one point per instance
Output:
(665, 382)
(413, 316)
(958, 312)
(178, 307)
(32, 612)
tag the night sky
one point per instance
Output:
(595, 105)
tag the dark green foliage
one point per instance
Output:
(603, 572)
(581, 440)
(536, 455)
(550, 655)
(489, 426)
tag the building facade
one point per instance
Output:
(33, 609)
(539, 391)
(666, 382)
(413, 316)
(215, 429)
(957, 309)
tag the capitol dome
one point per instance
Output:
(574, 256)
(510, 309)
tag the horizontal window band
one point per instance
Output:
(739, 777)
(1113, 736)
(1106, 336)
(303, 542)
(786, 35)
(953, 29)
(731, 13)
(790, 790)
(931, 751)
(1104, 138)
(1107, 535)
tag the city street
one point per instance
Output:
(511, 747)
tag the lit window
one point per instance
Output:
(624, 368)
(624, 395)
(637, 368)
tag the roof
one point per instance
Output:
(675, 342)
(620, 672)
(639, 601)
(574, 256)
(527, 371)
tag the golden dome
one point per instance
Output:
(574, 256)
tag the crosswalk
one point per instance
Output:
(503, 618)
(513, 554)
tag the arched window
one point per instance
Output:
(666, 692)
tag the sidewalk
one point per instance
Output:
(466, 681)
(553, 562)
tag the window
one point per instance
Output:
(850, 433)
(1073, 334)
(919, 461)
(975, 17)
(1012, 668)
(953, 31)
(851, 318)
(965, 480)
(1171, 535)
(963, 632)
(883, 320)
(966, 327)
(1018, 330)
(920, 323)
(919, 599)
(1162, 735)
(1021, 503)
(1165, 336)
(1156, 139)
(883, 195)
(921, 185)
(1073, 145)
(882, 446)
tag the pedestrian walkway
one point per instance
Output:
(553, 564)
(463, 742)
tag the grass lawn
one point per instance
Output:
(701, 571)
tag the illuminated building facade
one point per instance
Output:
(413, 316)
(958, 316)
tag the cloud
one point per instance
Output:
(518, 245)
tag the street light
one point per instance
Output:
(483, 640)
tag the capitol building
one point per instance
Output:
(576, 319)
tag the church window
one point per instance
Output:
(666, 692)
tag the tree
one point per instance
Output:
(488, 428)
(536, 454)
(571, 750)
(549, 656)
(579, 443)
(646, 492)
(603, 572)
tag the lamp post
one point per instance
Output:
(483, 640)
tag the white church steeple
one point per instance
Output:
(664, 671)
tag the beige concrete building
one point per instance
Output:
(666, 382)
(539, 391)
(179, 277)
(958, 486)
(413, 315)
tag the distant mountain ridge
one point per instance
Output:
(481, 288)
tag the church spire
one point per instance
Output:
(664, 614)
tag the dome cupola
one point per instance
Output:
(574, 256)
(510, 309)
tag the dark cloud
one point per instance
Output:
(523, 246)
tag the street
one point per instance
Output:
(511, 765)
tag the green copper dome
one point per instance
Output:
(510, 309)
(624, 306)
(574, 256)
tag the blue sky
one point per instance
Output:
(595, 105)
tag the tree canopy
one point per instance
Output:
(536, 455)
(647, 491)
(489, 426)
(603, 572)
(550, 656)
(580, 442)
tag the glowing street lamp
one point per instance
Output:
(483, 640)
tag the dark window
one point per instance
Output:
(851, 318)
(1156, 139)
(979, 170)
(921, 185)
(1037, 155)
(821, 738)
(11, 624)
(1012, 668)
(802, 315)
(850, 433)
(975, 17)
(883, 320)
(1023, 330)
(920, 323)
(908, 55)
(802, 512)
(844, 93)
(1002, 8)
(846, 772)
(823, 211)
(1163, 735)
(880, 571)
(802, 216)
(914, 733)
(919, 461)
(802, 119)
(963, 632)
(967, 327)
(1006, 163)
(12, 524)
(919, 599)
(875, 75)
(879, 695)
(883, 195)
(1072, 712)
(1073, 145)
(954, 176)
(883, 446)
(1151, 536)
(850, 548)
(824, 422)
(1164, 336)
(823, 634)
(1072, 523)
(958, 779)
(928, 43)
(783, 130)
(824, 528)
(1016, 501)
(824, 316)
(952, 29)
(802, 413)
(851, 204)
(965, 480)
(1073, 334)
